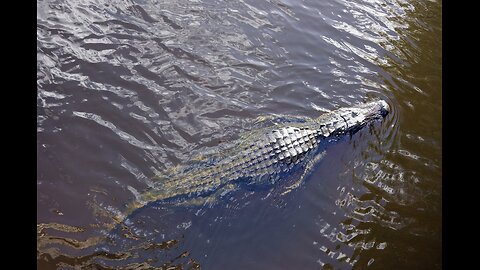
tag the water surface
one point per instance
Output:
(128, 90)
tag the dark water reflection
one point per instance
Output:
(130, 89)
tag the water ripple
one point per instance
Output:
(130, 89)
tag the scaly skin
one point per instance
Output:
(267, 154)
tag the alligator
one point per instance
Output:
(266, 154)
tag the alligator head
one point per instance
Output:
(351, 119)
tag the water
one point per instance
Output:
(128, 90)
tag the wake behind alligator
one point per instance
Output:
(264, 157)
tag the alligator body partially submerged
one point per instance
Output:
(266, 155)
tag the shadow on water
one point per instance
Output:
(128, 90)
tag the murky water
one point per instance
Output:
(130, 90)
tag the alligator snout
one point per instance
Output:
(384, 108)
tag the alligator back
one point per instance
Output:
(262, 160)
